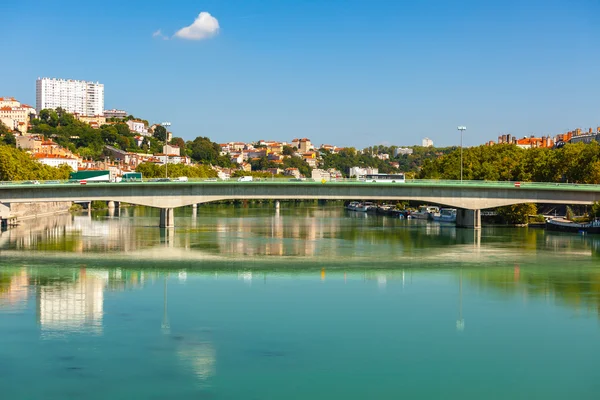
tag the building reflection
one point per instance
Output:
(14, 289)
(78, 306)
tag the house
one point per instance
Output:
(55, 160)
(246, 167)
(402, 151)
(137, 126)
(275, 171)
(320, 175)
(171, 150)
(292, 172)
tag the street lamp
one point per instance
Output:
(461, 129)
(165, 125)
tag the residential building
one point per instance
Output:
(138, 127)
(275, 171)
(402, 151)
(114, 113)
(335, 174)
(533, 142)
(359, 172)
(31, 143)
(246, 167)
(171, 150)
(82, 97)
(303, 145)
(427, 142)
(383, 156)
(320, 175)
(14, 115)
(292, 172)
(310, 160)
(55, 160)
(95, 121)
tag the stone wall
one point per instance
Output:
(33, 210)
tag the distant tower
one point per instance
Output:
(427, 142)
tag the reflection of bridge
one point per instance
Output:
(468, 196)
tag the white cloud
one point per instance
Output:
(203, 27)
(158, 34)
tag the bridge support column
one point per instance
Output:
(468, 218)
(111, 205)
(167, 219)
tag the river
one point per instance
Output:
(305, 302)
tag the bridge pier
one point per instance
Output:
(468, 218)
(167, 218)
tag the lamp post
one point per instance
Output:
(461, 129)
(165, 125)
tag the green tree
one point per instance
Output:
(160, 133)
(517, 213)
(203, 150)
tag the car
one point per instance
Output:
(31, 183)
(210, 180)
(297, 180)
(51, 182)
(181, 179)
(245, 179)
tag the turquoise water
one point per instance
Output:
(304, 303)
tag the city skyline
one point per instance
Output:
(352, 74)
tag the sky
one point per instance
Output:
(343, 72)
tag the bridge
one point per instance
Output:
(469, 197)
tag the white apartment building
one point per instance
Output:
(56, 160)
(402, 151)
(360, 172)
(84, 98)
(138, 127)
(427, 142)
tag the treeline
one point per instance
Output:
(79, 137)
(17, 165)
(151, 170)
(576, 163)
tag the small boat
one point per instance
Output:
(563, 225)
(446, 215)
(364, 207)
(352, 205)
(426, 212)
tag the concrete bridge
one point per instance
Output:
(470, 197)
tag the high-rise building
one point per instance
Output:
(427, 142)
(81, 97)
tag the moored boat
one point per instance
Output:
(563, 225)
(352, 205)
(426, 212)
(446, 215)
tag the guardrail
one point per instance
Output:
(437, 182)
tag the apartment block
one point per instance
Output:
(81, 97)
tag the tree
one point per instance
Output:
(160, 133)
(204, 151)
(179, 142)
(288, 151)
(17, 165)
(9, 139)
(517, 213)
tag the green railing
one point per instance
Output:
(345, 181)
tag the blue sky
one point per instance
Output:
(350, 73)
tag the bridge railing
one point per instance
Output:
(424, 182)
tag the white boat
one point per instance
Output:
(364, 207)
(446, 215)
(352, 205)
(426, 212)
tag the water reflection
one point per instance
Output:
(73, 306)
(329, 233)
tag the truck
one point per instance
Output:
(90, 176)
(132, 177)
(246, 178)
